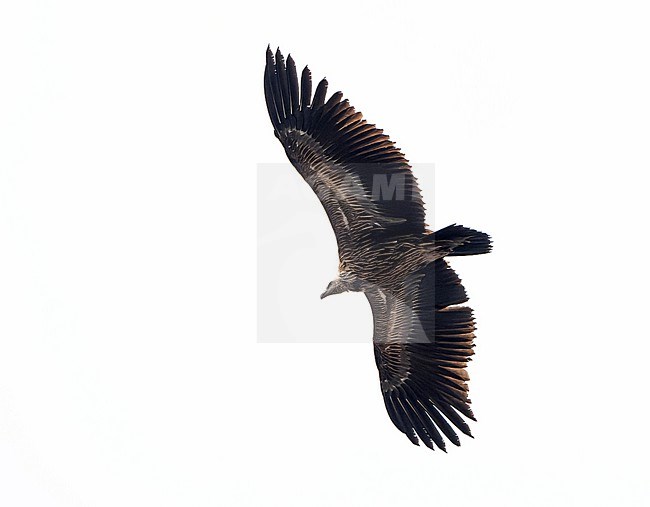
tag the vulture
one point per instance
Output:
(423, 335)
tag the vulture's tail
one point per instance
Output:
(461, 240)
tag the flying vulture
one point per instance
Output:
(423, 337)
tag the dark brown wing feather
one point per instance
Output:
(344, 159)
(422, 343)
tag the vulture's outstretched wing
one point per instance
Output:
(363, 181)
(422, 343)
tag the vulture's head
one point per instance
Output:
(343, 283)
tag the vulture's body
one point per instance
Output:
(422, 337)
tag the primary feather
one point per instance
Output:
(422, 338)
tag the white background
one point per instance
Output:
(130, 371)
